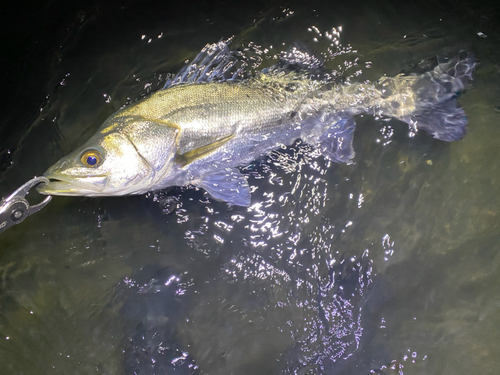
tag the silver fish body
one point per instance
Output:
(199, 133)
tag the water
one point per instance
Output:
(386, 265)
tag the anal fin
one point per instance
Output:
(336, 142)
(227, 185)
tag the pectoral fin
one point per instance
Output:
(198, 153)
(228, 185)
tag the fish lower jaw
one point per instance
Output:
(62, 185)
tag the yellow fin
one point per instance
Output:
(190, 156)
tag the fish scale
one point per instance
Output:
(199, 133)
(232, 108)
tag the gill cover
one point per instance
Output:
(126, 156)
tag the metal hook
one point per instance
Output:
(15, 208)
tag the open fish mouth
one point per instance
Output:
(60, 184)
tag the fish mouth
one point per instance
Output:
(60, 184)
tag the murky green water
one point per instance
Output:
(388, 265)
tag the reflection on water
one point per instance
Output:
(283, 257)
(387, 265)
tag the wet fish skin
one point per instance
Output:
(168, 139)
(198, 133)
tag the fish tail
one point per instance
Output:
(428, 101)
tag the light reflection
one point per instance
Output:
(284, 244)
(361, 199)
(388, 246)
(293, 251)
(406, 362)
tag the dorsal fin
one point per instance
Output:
(215, 63)
(298, 58)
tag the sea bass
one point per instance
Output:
(205, 124)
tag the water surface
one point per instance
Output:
(385, 265)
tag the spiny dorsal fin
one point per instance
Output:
(215, 63)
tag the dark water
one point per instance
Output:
(387, 265)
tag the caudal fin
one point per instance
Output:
(437, 110)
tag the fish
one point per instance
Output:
(210, 119)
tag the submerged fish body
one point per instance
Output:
(198, 133)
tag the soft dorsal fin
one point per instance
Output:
(300, 59)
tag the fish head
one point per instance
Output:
(125, 157)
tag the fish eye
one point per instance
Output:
(91, 158)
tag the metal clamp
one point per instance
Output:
(15, 208)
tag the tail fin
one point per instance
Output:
(437, 110)
(444, 121)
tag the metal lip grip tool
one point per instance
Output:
(15, 208)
